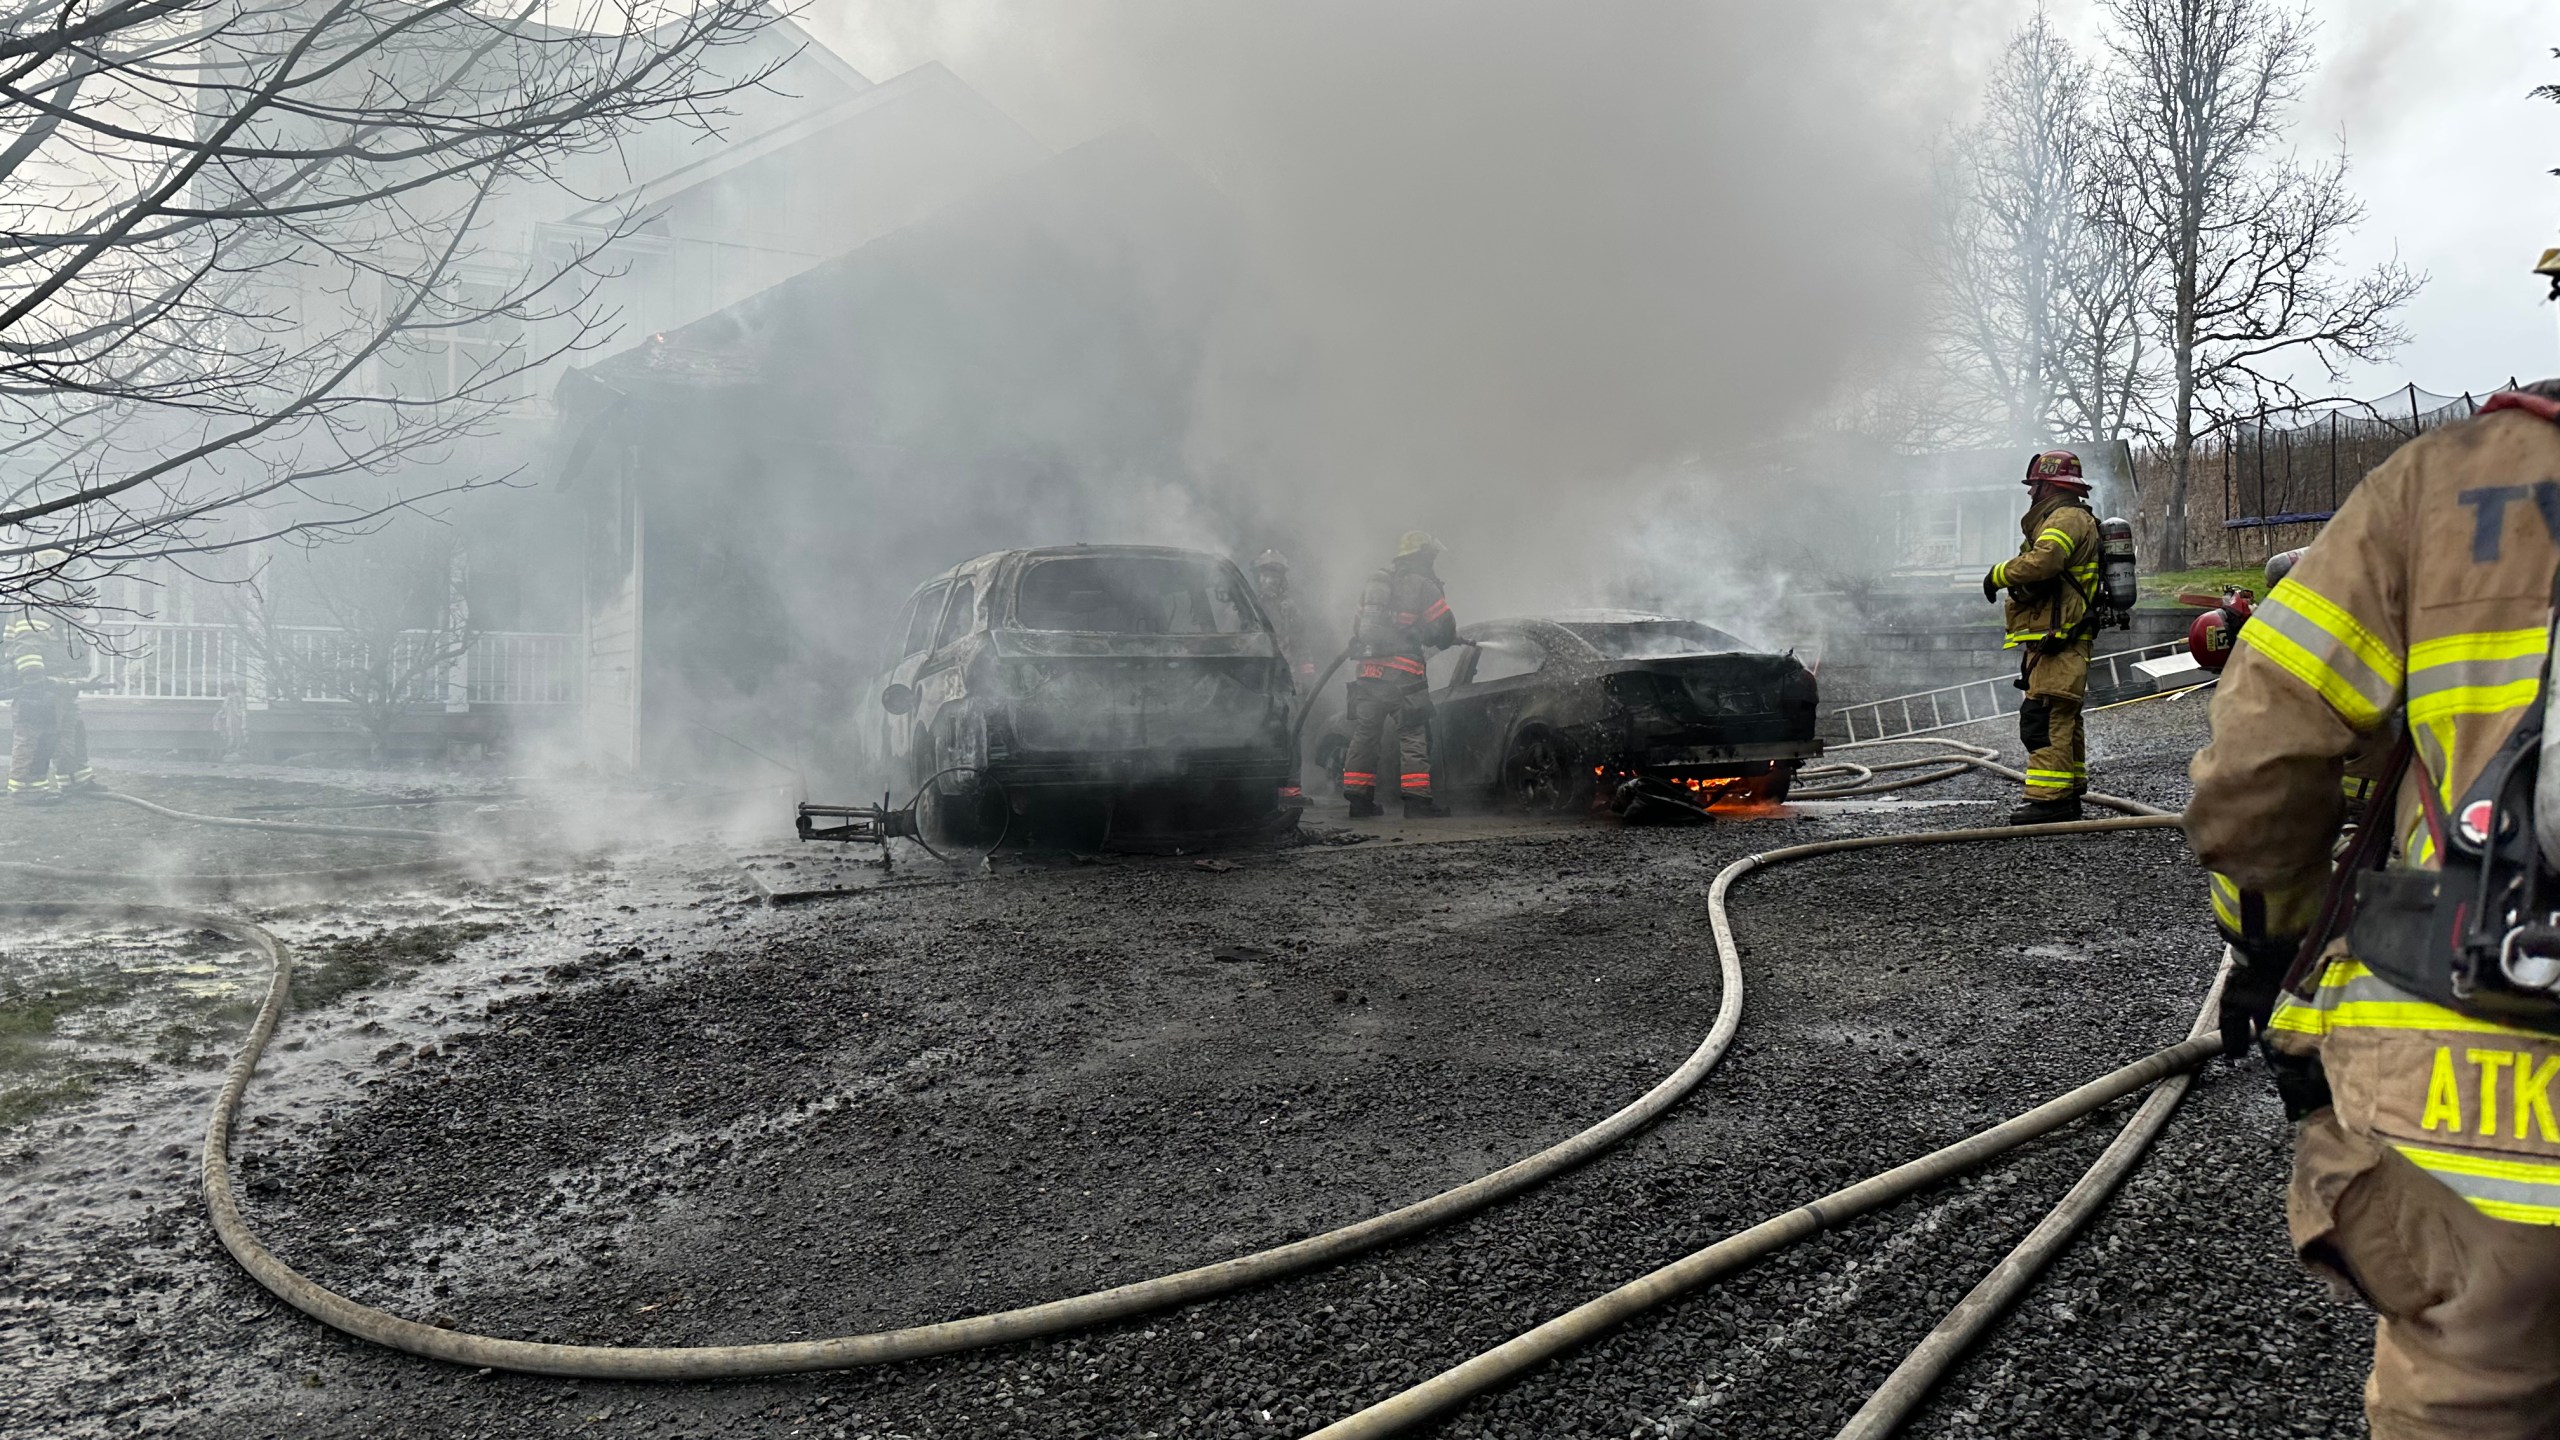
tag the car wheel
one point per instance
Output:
(1545, 773)
(1782, 778)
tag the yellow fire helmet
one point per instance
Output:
(1415, 542)
(2549, 264)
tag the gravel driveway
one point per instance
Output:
(624, 1104)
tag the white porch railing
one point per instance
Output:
(201, 662)
(1989, 698)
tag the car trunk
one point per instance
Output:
(1733, 699)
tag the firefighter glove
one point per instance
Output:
(2249, 992)
(1991, 584)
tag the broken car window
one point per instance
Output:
(1133, 595)
(1442, 666)
(1644, 639)
(928, 609)
(1502, 657)
(957, 617)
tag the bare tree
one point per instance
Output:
(2246, 289)
(2008, 217)
(367, 627)
(2551, 93)
(2034, 260)
(244, 274)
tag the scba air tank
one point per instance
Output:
(2117, 587)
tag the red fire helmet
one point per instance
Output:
(2056, 467)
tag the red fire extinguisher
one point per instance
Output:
(2214, 632)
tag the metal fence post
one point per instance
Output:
(2333, 462)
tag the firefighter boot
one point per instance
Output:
(1365, 807)
(1423, 807)
(2046, 812)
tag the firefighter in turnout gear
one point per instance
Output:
(47, 660)
(2427, 1150)
(1404, 615)
(2052, 583)
(1280, 606)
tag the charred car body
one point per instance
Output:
(1548, 713)
(1061, 693)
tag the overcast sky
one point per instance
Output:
(2427, 97)
(2451, 159)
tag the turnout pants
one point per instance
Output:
(2049, 720)
(2468, 1343)
(1377, 706)
(35, 735)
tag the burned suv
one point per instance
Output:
(1072, 693)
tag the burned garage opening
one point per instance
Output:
(763, 487)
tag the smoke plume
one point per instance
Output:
(1510, 263)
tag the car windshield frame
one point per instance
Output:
(1213, 581)
(1626, 639)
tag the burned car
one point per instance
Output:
(1550, 713)
(1062, 694)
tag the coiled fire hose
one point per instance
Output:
(695, 1362)
(701, 1362)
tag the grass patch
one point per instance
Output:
(20, 1104)
(327, 973)
(2160, 591)
(25, 1011)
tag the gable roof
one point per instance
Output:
(736, 149)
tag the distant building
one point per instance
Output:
(1955, 513)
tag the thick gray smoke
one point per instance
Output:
(1511, 264)
(1563, 284)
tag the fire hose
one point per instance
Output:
(1119, 1302)
(225, 884)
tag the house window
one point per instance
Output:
(459, 346)
(1929, 533)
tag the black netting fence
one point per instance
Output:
(2293, 467)
(2266, 483)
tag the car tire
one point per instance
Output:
(1543, 772)
(1782, 778)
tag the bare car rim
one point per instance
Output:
(1542, 772)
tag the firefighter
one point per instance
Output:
(2364, 765)
(48, 741)
(2052, 583)
(1404, 615)
(2427, 1154)
(1271, 581)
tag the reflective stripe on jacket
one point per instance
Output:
(37, 644)
(2055, 572)
(2431, 588)
(1404, 614)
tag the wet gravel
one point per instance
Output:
(641, 1111)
